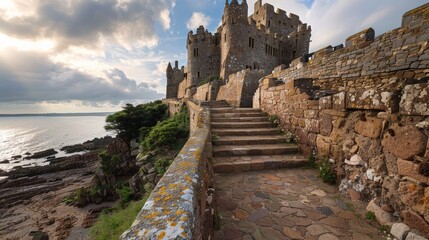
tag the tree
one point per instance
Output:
(132, 119)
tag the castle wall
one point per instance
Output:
(208, 91)
(240, 88)
(365, 107)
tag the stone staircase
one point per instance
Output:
(244, 140)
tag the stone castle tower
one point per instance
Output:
(263, 40)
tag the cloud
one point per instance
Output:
(88, 22)
(332, 21)
(198, 19)
(33, 77)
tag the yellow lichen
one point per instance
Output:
(168, 197)
(161, 235)
(184, 234)
(178, 212)
(173, 224)
(151, 216)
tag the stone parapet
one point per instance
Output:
(181, 205)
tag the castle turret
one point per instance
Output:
(234, 23)
(174, 77)
(203, 56)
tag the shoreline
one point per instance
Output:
(45, 157)
(32, 198)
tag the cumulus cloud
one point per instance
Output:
(332, 21)
(34, 78)
(88, 22)
(198, 19)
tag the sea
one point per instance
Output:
(30, 133)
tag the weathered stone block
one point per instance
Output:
(415, 100)
(312, 125)
(410, 169)
(373, 99)
(413, 220)
(323, 146)
(371, 127)
(399, 230)
(427, 150)
(404, 142)
(383, 217)
(325, 102)
(339, 101)
(325, 124)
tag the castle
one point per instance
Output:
(262, 41)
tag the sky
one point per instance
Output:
(96, 55)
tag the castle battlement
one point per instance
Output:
(261, 41)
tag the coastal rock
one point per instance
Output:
(39, 235)
(44, 153)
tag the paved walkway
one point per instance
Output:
(287, 204)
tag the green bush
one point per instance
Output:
(274, 120)
(166, 133)
(326, 172)
(111, 226)
(128, 122)
(125, 195)
(108, 163)
(161, 165)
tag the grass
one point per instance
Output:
(112, 225)
(370, 216)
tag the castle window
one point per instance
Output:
(195, 52)
(269, 23)
(198, 74)
(293, 54)
(225, 37)
(296, 42)
(251, 42)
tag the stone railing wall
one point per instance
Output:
(365, 62)
(182, 205)
(366, 108)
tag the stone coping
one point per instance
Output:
(172, 211)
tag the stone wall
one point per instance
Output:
(239, 89)
(181, 205)
(365, 107)
(208, 91)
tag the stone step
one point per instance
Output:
(235, 110)
(236, 125)
(240, 119)
(258, 149)
(245, 132)
(237, 114)
(257, 163)
(251, 140)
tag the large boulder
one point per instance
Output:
(369, 127)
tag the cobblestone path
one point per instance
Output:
(287, 204)
(261, 197)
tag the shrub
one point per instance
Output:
(111, 226)
(166, 133)
(326, 172)
(161, 165)
(128, 122)
(108, 163)
(125, 195)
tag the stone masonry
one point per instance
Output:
(365, 107)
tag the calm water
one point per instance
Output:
(19, 135)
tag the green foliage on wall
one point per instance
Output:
(167, 132)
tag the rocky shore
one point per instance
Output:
(32, 198)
